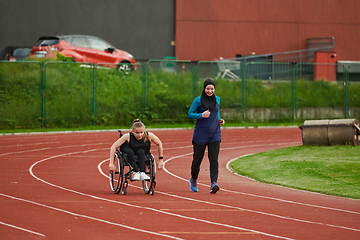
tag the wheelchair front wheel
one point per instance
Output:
(150, 170)
(124, 187)
(117, 177)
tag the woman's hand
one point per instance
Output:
(221, 121)
(205, 114)
(112, 167)
(160, 164)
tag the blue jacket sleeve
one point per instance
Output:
(194, 106)
(218, 101)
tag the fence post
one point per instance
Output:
(93, 95)
(243, 90)
(195, 71)
(42, 94)
(144, 86)
(346, 92)
(293, 91)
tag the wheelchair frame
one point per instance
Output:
(119, 180)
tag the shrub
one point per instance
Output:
(80, 95)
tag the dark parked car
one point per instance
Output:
(15, 53)
(82, 48)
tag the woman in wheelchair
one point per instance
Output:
(137, 142)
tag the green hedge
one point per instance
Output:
(70, 92)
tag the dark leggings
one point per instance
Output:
(131, 158)
(213, 153)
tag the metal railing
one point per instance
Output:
(292, 57)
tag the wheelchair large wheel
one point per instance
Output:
(117, 177)
(150, 170)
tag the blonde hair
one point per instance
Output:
(138, 124)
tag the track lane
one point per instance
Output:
(81, 165)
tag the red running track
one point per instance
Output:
(55, 186)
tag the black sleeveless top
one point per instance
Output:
(135, 144)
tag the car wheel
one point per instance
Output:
(125, 67)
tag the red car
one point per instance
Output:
(82, 48)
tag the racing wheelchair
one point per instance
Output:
(120, 178)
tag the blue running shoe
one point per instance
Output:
(214, 187)
(193, 185)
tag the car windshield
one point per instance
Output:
(21, 52)
(47, 42)
(66, 38)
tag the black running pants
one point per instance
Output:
(198, 155)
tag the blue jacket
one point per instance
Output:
(206, 129)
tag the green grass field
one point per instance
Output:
(333, 170)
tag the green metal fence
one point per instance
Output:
(20, 94)
(169, 86)
(63, 94)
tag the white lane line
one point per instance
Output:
(253, 211)
(278, 199)
(248, 194)
(88, 217)
(263, 196)
(22, 229)
(141, 207)
(228, 206)
(47, 148)
(27, 144)
(25, 151)
(272, 198)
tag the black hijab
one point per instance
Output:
(209, 103)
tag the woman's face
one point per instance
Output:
(138, 132)
(209, 90)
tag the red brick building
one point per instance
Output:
(209, 29)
